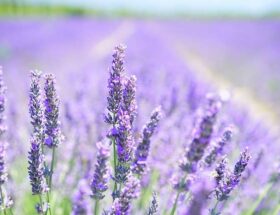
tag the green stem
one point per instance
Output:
(2, 199)
(213, 211)
(11, 211)
(96, 207)
(52, 168)
(175, 204)
(115, 164)
(48, 200)
(49, 180)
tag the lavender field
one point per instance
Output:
(101, 116)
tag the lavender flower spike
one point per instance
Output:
(218, 148)
(202, 136)
(241, 164)
(36, 168)
(221, 171)
(130, 191)
(227, 182)
(153, 209)
(129, 100)
(142, 151)
(100, 179)
(124, 142)
(52, 124)
(115, 85)
(35, 106)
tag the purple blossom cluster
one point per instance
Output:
(100, 179)
(218, 148)
(153, 209)
(227, 180)
(52, 125)
(36, 167)
(129, 192)
(201, 137)
(142, 150)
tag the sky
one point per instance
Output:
(254, 7)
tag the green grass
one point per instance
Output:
(8, 9)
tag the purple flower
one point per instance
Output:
(80, 202)
(226, 182)
(124, 143)
(218, 148)
(36, 167)
(202, 136)
(142, 150)
(241, 163)
(130, 191)
(182, 184)
(100, 179)
(52, 124)
(221, 171)
(153, 209)
(129, 102)
(120, 115)
(115, 85)
(35, 106)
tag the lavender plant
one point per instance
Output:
(52, 133)
(100, 179)
(36, 173)
(226, 180)
(36, 166)
(142, 151)
(194, 153)
(218, 148)
(114, 99)
(130, 191)
(153, 209)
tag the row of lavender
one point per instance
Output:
(130, 178)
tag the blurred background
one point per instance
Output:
(233, 44)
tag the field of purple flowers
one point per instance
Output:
(182, 119)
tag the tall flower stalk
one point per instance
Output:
(226, 180)
(153, 209)
(36, 173)
(201, 139)
(142, 151)
(114, 99)
(36, 158)
(52, 133)
(100, 179)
